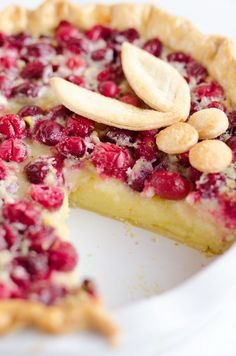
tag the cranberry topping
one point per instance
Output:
(168, 185)
(36, 171)
(153, 46)
(228, 206)
(49, 132)
(179, 57)
(79, 126)
(30, 110)
(197, 71)
(120, 137)
(72, 147)
(7, 63)
(184, 159)
(130, 35)
(3, 241)
(63, 256)
(11, 126)
(75, 63)
(193, 175)
(49, 197)
(18, 40)
(41, 49)
(111, 160)
(217, 105)
(108, 88)
(47, 293)
(232, 144)
(99, 54)
(5, 85)
(41, 237)
(112, 73)
(3, 171)
(58, 112)
(146, 147)
(13, 150)
(21, 212)
(35, 70)
(28, 89)
(130, 99)
(66, 32)
(75, 79)
(232, 122)
(211, 90)
(9, 236)
(140, 172)
(210, 185)
(99, 32)
(36, 264)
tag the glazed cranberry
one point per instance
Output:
(99, 32)
(7, 63)
(232, 144)
(39, 50)
(99, 54)
(35, 70)
(21, 212)
(3, 171)
(168, 185)
(108, 88)
(209, 187)
(146, 147)
(12, 125)
(49, 132)
(217, 105)
(111, 160)
(153, 46)
(63, 256)
(179, 57)
(120, 137)
(130, 99)
(140, 172)
(130, 35)
(13, 150)
(5, 86)
(184, 159)
(30, 110)
(75, 62)
(28, 89)
(89, 287)
(41, 237)
(193, 174)
(58, 112)
(36, 264)
(80, 81)
(79, 126)
(72, 147)
(5, 292)
(197, 71)
(22, 279)
(18, 40)
(76, 45)
(211, 90)
(36, 171)
(49, 197)
(112, 72)
(66, 31)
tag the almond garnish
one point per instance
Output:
(109, 111)
(209, 123)
(210, 156)
(177, 138)
(155, 81)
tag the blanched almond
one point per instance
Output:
(210, 156)
(209, 123)
(177, 138)
(108, 111)
(155, 81)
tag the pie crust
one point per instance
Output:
(216, 53)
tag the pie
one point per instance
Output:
(123, 110)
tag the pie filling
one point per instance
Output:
(45, 148)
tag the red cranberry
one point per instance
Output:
(9, 236)
(197, 71)
(228, 206)
(18, 40)
(209, 187)
(22, 279)
(99, 54)
(232, 144)
(146, 147)
(5, 292)
(79, 126)
(217, 105)
(35, 70)
(232, 122)
(130, 99)
(168, 185)
(7, 63)
(76, 45)
(193, 174)
(22, 212)
(120, 137)
(108, 88)
(3, 241)
(28, 89)
(211, 90)
(130, 35)
(49, 132)
(72, 147)
(36, 171)
(75, 62)
(153, 46)
(36, 264)
(184, 159)
(194, 108)
(66, 31)
(99, 32)
(40, 49)
(49, 197)
(41, 237)
(12, 125)
(13, 150)
(112, 72)
(5, 85)
(179, 57)
(141, 171)
(3, 171)
(111, 160)
(75, 79)
(30, 110)
(58, 112)
(63, 256)
(89, 287)
(2, 38)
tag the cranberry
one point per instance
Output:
(168, 185)
(75, 62)
(228, 206)
(72, 147)
(66, 32)
(76, 45)
(209, 187)
(30, 110)
(108, 88)
(99, 54)
(12, 125)
(99, 32)
(10, 236)
(194, 108)
(3, 171)
(49, 197)
(193, 174)
(79, 126)
(120, 137)
(179, 57)
(41, 237)
(197, 71)
(2, 38)
(232, 144)
(7, 63)
(3, 241)
(75, 79)
(146, 147)
(211, 90)
(217, 105)
(35, 70)
(36, 264)
(89, 287)
(36, 171)
(5, 292)
(58, 112)
(111, 160)
(140, 172)
(39, 50)
(5, 85)
(22, 279)
(232, 122)
(21, 212)
(28, 89)
(184, 159)
(18, 40)
(13, 150)
(130, 35)
(153, 46)
(49, 132)
(112, 73)
(63, 256)
(130, 99)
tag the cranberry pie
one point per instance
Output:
(123, 110)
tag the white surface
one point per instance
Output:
(129, 265)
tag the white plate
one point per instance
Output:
(141, 275)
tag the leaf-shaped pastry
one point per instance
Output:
(109, 111)
(155, 81)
